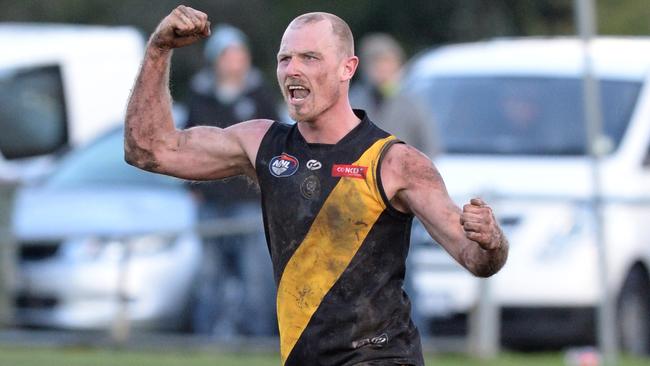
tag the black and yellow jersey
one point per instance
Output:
(338, 249)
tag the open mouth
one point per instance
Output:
(297, 92)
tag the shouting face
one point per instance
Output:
(312, 70)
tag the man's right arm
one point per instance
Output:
(152, 142)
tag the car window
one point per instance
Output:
(102, 163)
(521, 115)
(32, 111)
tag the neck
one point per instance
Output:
(330, 127)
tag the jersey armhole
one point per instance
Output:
(264, 142)
(380, 186)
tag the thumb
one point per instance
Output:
(476, 201)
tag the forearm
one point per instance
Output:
(149, 110)
(485, 262)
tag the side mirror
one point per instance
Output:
(33, 119)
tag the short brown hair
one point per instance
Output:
(339, 27)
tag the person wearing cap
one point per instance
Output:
(379, 93)
(235, 292)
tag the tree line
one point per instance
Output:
(417, 24)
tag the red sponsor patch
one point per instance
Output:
(352, 171)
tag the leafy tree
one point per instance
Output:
(416, 24)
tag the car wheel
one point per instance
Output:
(634, 314)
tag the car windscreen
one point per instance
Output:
(102, 163)
(522, 115)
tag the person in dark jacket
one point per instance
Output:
(379, 92)
(235, 292)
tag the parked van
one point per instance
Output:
(509, 113)
(60, 86)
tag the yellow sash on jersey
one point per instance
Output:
(340, 227)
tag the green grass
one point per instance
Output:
(19, 356)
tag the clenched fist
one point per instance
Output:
(182, 27)
(480, 225)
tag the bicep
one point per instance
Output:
(421, 190)
(208, 153)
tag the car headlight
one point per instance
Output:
(114, 249)
(569, 230)
(150, 244)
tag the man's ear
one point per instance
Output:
(349, 67)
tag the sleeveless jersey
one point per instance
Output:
(338, 249)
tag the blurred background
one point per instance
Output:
(98, 254)
(417, 25)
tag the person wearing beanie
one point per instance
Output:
(235, 291)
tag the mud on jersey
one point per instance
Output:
(338, 249)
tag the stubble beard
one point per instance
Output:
(310, 112)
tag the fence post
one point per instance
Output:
(121, 327)
(484, 321)
(484, 324)
(598, 143)
(7, 257)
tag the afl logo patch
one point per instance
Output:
(283, 165)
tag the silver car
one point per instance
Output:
(99, 238)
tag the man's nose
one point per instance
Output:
(292, 68)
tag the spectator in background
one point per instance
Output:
(235, 294)
(379, 93)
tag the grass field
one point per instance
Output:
(17, 356)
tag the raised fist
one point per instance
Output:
(480, 224)
(182, 27)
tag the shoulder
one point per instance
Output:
(253, 130)
(405, 169)
(406, 162)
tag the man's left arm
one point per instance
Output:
(472, 236)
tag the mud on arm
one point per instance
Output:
(151, 141)
(472, 236)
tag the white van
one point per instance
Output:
(60, 86)
(509, 113)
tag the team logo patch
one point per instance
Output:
(352, 171)
(283, 165)
(310, 187)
